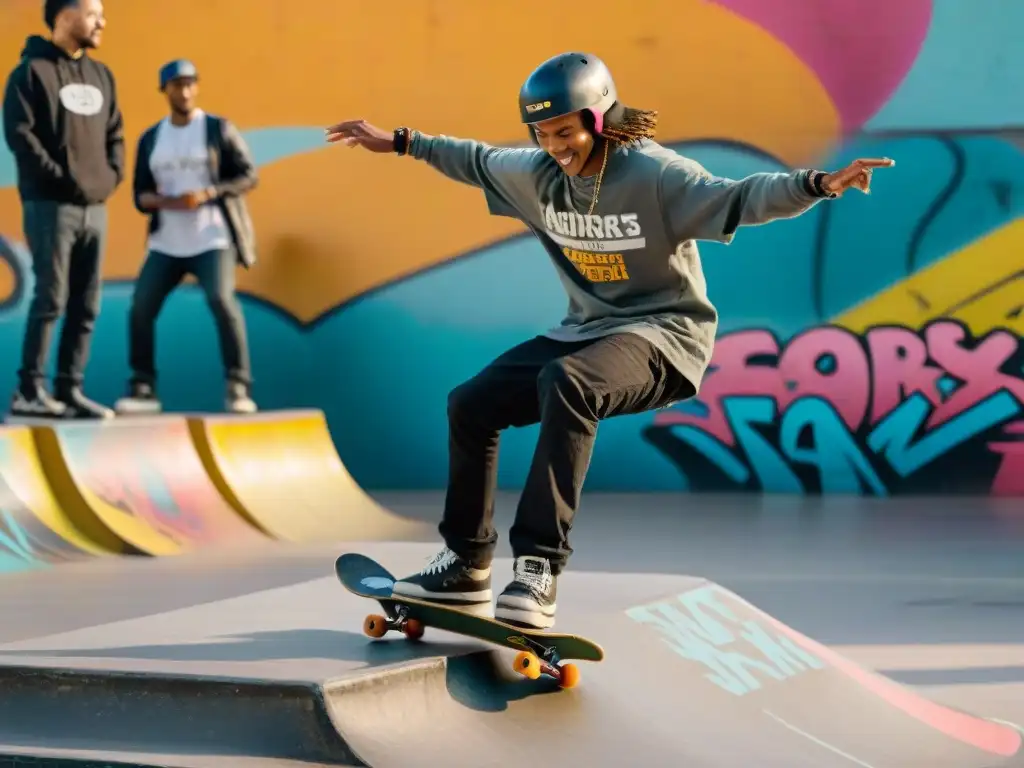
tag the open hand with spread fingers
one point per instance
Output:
(359, 133)
(857, 175)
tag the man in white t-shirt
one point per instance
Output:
(192, 171)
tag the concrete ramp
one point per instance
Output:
(141, 480)
(34, 530)
(281, 470)
(765, 678)
(701, 679)
(165, 720)
(694, 676)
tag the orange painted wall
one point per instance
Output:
(334, 223)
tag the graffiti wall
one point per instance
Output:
(890, 410)
(870, 346)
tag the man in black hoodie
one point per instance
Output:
(63, 124)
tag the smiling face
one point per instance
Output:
(569, 142)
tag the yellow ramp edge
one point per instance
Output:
(982, 286)
(45, 532)
(141, 480)
(280, 469)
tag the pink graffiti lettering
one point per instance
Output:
(866, 379)
(847, 385)
(900, 369)
(1009, 478)
(733, 376)
(978, 368)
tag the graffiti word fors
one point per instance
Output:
(737, 651)
(851, 408)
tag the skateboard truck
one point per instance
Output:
(540, 659)
(377, 626)
(531, 663)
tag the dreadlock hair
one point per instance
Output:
(625, 125)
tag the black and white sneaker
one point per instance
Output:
(529, 599)
(33, 401)
(447, 578)
(141, 398)
(80, 407)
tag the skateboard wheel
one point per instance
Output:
(413, 629)
(527, 665)
(568, 676)
(375, 626)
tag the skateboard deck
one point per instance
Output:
(540, 652)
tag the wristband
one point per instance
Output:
(818, 189)
(401, 140)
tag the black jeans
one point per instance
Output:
(161, 274)
(568, 388)
(67, 243)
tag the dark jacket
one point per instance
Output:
(63, 124)
(233, 174)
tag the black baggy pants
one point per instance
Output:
(67, 243)
(568, 387)
(160, 275)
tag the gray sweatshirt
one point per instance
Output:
(633, 265)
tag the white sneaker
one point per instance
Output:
(529, 599)
(141, 399)
(238, 399)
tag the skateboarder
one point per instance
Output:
(619, 215)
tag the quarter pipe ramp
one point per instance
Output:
(141, 480)
(34, 530)
(281, 470)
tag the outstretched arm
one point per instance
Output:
(506, 175)
(469, 161)
(699, 206)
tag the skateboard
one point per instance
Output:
(539, 652)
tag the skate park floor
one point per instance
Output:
(927, 591)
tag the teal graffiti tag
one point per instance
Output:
(894, 436)
(738, 652)
(840, 463)
(16, 549)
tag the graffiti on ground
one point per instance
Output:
(710, 627)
